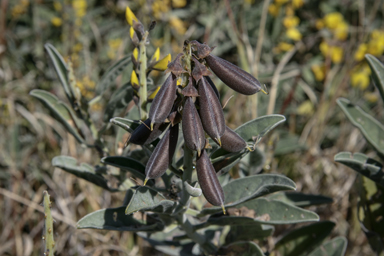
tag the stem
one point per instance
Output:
(188, 159)
(143, 77)
(48, 224)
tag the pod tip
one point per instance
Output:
(265, 90)
(198, 152)
(251, 149)
(151, 126)
(145, 181)
(223, 208)
(218, 140)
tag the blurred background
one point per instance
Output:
(308, 53)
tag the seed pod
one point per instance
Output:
(194, 135)
(231, 141)
(211, 112)
(213, 86)
(202, 50)
(175, 66)
(163, 102)
(142, 135)
(162, 155)
(208, 181)
(190, 90)
(199, 70)
(233, 76)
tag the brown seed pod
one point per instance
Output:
(231, 141)
(208, 181)
(142, 135)
(233, 76)
(213, 86)
(190, 90)
(175, 66)
(162, 156)
(194, 135)
(211, 112)
(201, 50)
(199, 70)
(163, 102)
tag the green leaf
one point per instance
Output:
(244, 189)
(264, 211)
(256, 127)
(118, 101)
(129, 164)
(302, 240)
(241, 248)
(249, 232)
(110, 75)
(84, 171)
(148, 199)
(127, 124)
(334, 247)
(377, 73)
(300, 199)
(372, 130)
(115, 219)
(362, 164)
(61, 69)
(60, 110)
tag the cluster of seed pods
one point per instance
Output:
(196, 104)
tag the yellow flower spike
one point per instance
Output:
(179, 3)
(291, 21)
(361, 51)
(134, 79)
(135, 54)
(297, 3)
(154, 93)
(294, 34)
(156, 55)
(163, 63)
(130, 16)
(289, 11)
(337, 54)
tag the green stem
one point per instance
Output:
(143, 77)
(48, 224)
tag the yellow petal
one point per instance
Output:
(153, 95)
(130, 16)
(131, 32)
(134, 79)
(135, 53)
(294, 34)
(156, 55)
(163, 63)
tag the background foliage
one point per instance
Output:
(308, 58)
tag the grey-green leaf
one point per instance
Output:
(300, 199)
(115, 219)
(334, 247)
(362, 164)
(127, 124)
(118, 101)
(110, 75)
(148, 199)
(249, 232)
(84, 171)
(60, 68)
(60, 110)
(377, 73)
(129, 164)
(372, 130)
(302, 240)
(251, 187)
(241, 248)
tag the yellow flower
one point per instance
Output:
(274, 9)
(306, 108)
(319, 72)
(163, 63)
(341, 31)
(331, 20)
(371, 97)
(77, 47)
(134, 79)
(337, 54)
(282, 46)
(359, 54)
(291, 21)
(156, 55)
(80, 7)
(289, 11)
(297, 3)
(130, 16)
(294, 34)
(179, 3)
(56, 21)
(178, 25)
(360, 79)
(324, 48)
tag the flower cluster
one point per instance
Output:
(195, 102)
